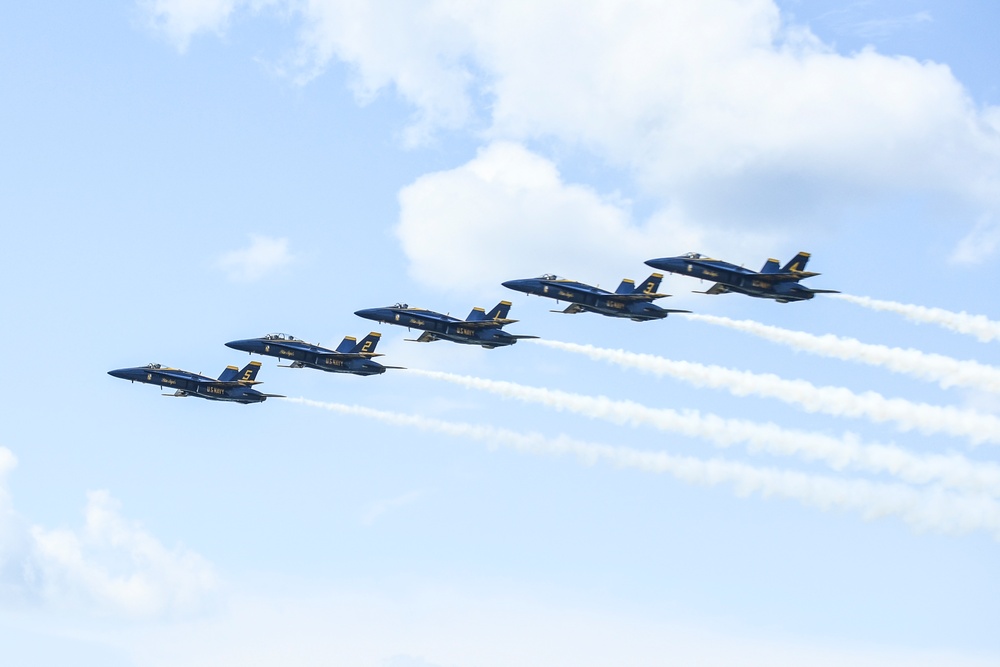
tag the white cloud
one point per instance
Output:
(180, 20)
(507, 213)
(111, 565)
(264, 256)
(720, 106)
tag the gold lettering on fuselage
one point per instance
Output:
(465, 331)
(707, 272)
(334, 362)
(761, 284)
(216, 390)
(287, 353)
(616, 304)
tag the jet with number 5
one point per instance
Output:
(349, 357)
(771, 282)
(635, 303)
(234, 385)
(480, 328)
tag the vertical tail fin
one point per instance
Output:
(797, 263)
(347, 344)
(649, 285)
(771, 266)
(627, 287)
(367, 344)
(499, 311)
(476, 315)
(230, 374)
(249, 372)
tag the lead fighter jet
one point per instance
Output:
(635, 303)
(349, 357)
(234, 385)
(480, 328)
(771, 282)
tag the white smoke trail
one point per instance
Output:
(946, 371)
(952, 470)
(930, 509)
(979, 326)
(838, 401)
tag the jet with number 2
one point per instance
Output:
(771, 282)
(349, 357)
(480, 328)
(635, 303)
(234, 385)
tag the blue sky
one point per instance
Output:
(178, 174)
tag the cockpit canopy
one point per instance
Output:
(281, 336)
(549, 276)
(692, 255)
(154, 366)
(399, 305)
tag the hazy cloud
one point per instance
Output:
(111, 564)
(264, 256)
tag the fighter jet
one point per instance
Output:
(480, 328)
(772, 282)
(635, 303)
(349, 357)
(233, 385)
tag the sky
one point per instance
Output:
(756, 483)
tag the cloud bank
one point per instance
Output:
(111, 565)
(722, 108)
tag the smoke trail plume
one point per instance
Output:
(972, 325)
(930, 509)
(838, 401)
(945, 371)
(950, 470)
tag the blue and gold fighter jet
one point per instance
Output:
(635, 303)
(234, 385)
(771, 282)
(349, 357)
(481, 328)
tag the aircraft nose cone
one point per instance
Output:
(518, 285)
(123, 373)
(247, 345)
(665, 263)
(368, 313)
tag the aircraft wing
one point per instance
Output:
(642, 296)
(572, 309)
(426, 337)
(717, 288)
(350, 355)
(787, 277)
(485, 324)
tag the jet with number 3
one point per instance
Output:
(349, 357)
(635, 303)
(234, 385)
(480, 328)
(771, 282)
